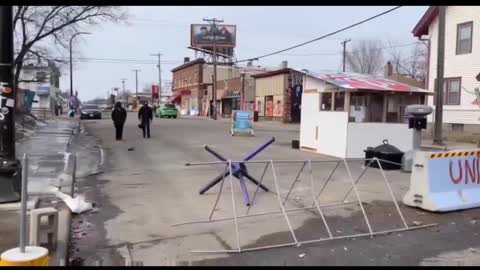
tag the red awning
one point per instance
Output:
(178, 95)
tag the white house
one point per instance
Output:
(44, 81)
(344, 113)
(462, 61)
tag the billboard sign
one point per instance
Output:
(202, 35)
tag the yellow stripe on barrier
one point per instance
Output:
(454, 154)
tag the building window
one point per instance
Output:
(464, 37)
(340, 101)
(325, 101)
(451, 90)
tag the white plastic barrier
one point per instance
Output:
(445, 181)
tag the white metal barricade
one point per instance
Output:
(316, 205)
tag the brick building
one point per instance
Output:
(188, 86)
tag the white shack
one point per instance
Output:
(344, 113)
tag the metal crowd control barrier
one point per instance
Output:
(24, 192)
(316, 205)
(63, 157)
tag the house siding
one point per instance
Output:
(466, 66)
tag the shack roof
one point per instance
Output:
(367, 82)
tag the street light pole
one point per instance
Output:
(124, 94)
(71, 59)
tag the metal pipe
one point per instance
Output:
(256, 190)
(285, 161)
(280, 202)
(316, 202)
(358, 197)
(358, 179)
(233, 206)
(24, 200)
(326, 182)
(391, 194)
(259, 214)
(316, 240)
(218, 196)
(294, 182)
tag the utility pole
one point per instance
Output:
(214, 22)
(9, 166)
(159, 76)
(136, 87)
(242, 91)
(124, 94)
(344, 43)
(136, 82)
(437, 138)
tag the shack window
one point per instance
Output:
(325, 101)
(340, 101)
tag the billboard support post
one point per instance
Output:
(214, 45)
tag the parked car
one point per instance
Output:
(90, 112)
(166, 110)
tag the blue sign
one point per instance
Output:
(242, 120)
(43, 90)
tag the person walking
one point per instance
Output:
(119, 116)
(145, 115)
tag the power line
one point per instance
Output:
(119, 59)
(339, 53)
(322, 37)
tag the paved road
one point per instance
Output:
(144, 191)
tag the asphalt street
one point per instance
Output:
(145, 188)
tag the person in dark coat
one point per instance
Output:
(119, 116)
(145, 115)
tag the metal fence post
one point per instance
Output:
(74, 174)
(24, 200)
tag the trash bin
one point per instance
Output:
(255, 116)
(385, 152)
(295, 144)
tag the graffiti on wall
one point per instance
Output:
(278, 106)
(269, 106)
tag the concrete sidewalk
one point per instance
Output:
(49, 148)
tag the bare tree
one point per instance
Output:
(40, 30)
(412, 63)
(365, 57)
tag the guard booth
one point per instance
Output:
(343, 114)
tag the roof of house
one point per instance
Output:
(196, 61)
(422, 26)
(274, 72)
(366, 82)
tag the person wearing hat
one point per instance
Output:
(145, 115)
(119, 116)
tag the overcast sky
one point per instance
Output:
(260, 30)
